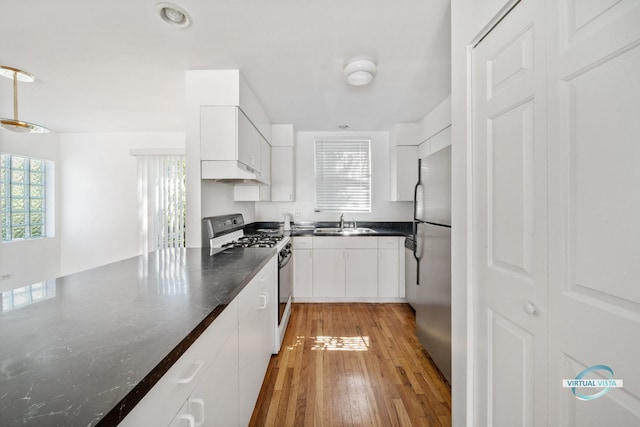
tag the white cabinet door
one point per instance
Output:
(257, 192)
(256, 337)
(404, 172)
(218, 133)
(282, 174)
(361, 273)
(248, 142)
(302, 273)
(183, 418)
(214, 401)
(328, 273)
(510, 193)
(388, 273)
(265, 162)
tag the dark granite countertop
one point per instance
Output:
(381, 228)
(83, 349)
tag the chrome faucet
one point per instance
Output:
(342, 222)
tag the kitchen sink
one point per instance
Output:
(336, 231)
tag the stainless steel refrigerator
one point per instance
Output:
(432, 235)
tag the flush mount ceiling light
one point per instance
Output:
(14, 124)
(360, 71)
(173, 15)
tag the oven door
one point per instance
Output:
(285, 282)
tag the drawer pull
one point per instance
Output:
(191, 422)
(197, 364)
(200, 404)
(263, 301)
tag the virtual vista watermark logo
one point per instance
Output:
(597, 383)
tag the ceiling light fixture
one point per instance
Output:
(14, 124)
(360, 72)
(173, 15)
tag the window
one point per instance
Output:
(23, 185)
(343, 176)
(161, 195)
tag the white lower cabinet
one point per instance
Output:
(302, 273)
(256, 338)
(361, 273)
(388, 273)
(328, 273)
(214, 401)
(216, 382)
(348, 268)
(345, 267)
(389, 283)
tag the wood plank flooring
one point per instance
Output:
(352, 365)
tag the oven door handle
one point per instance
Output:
(285, 261)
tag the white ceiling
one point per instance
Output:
(115, 66)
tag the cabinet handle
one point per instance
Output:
(200, 404)
(197, 364)
(191, 422)
(263, 301)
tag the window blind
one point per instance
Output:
(343, 175)
(161, 192)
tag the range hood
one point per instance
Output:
(228, 171)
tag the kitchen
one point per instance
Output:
(107, 211)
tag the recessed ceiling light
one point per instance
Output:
(173, 15)
(343, 126)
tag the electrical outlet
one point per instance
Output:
(297, 212)
(5, 277)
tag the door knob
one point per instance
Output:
(530, 308)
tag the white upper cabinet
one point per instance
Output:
(228, 124)
(227, 134)
(257, 192)
(404, 172)
(283, 163)
(283, 174)
(403, 158)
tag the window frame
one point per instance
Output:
(34, 191)
(323, 179)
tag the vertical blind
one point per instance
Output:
(161, 193)
(343, 176)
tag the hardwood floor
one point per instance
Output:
(352, 365)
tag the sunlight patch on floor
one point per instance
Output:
(357, 343)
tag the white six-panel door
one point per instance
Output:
(594, 208)
(556, 212)
(510, 220)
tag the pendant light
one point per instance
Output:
(14, 124)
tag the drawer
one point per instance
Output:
(302, 242)
(389, 242)
(347, 242)
(163, 401)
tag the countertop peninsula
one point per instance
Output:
(83, 349)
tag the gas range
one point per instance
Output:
(226, 232)
(255, 241)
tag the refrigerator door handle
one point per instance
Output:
(415, 251)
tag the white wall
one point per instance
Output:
(470, 19)
(32, 261)
(99, 221)
(381, 208)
